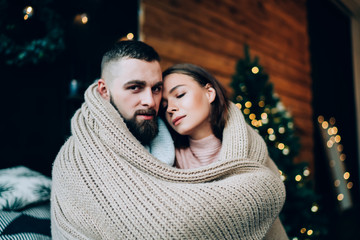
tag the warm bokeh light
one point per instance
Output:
(270, 131)
(255, 70)
(340, 197)
(314, 208)
(281, 146)
(281, 130)
(320, 119)
(340, 148)
(248, 104)
(130, 36)
(332, 121)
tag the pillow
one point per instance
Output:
(21, 187)
(30, 224)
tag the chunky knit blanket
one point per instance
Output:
(107, 186)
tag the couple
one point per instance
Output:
(122, 175)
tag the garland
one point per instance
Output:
(29, 37)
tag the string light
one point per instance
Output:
(340, 148)
(306, 172)
(314, 208)
(337, 183)
(264, 116)
(310, 232)
(261, 104)
(282, 176)
(298, 178)
(130, 36)
(286, 151)
(246, 111)
(84, 18)
(238, 105)
(255, 70)
(332, 121)
(248, 104)
(272, 137)
(254, 123)
(281, 146)
(346, 175)
(329, 144)
(290, 125)
(270, 131)
(274, 110)
(340, 197)
(265, 121)
(325, 124)
(349, 185)
(303, 230)
(28, 11)
(81, 19)
(252, 116)
(320, 119)
(239, 98)
(281, 130)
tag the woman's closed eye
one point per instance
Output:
(180, 95)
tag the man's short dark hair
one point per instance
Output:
(130, 49)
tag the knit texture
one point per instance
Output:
(200, 152)
(106, 185)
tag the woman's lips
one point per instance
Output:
(177, 120)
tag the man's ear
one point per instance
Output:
(103, 89)
(210, 92)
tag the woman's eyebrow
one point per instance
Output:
(174, 88)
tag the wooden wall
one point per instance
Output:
(212, 33)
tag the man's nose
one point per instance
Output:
(147, 99)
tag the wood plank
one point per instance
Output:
(215, 42)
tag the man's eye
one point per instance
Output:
(134, 87)
(157, 89)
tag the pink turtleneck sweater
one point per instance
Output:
(200, 153)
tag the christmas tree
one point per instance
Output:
(302, 215)
(29, 33)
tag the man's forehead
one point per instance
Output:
(127, 70)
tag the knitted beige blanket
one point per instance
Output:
(107, 186)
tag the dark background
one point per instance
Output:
(36, 107)
(333, 96)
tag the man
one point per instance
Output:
(131, 80)
(107, 185)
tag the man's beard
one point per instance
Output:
(146, 130)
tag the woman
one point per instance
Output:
(203, 121)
